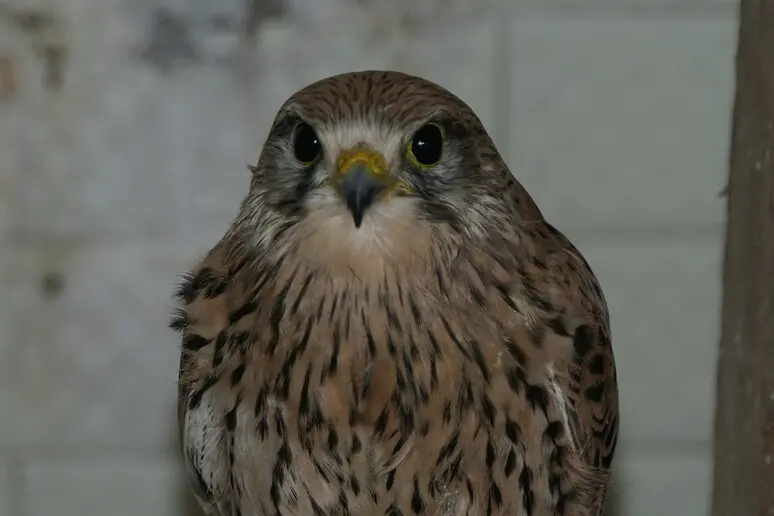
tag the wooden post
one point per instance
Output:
(744, 420)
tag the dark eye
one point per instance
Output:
(306, 144)
(427, 145)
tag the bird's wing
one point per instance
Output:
(591, 389)
(202, 416)
(574, 311)
(569, 322)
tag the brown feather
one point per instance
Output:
(417, 365)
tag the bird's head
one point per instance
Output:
(379, 160)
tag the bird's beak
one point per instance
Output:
(361, 179)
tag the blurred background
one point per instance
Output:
(125, 131)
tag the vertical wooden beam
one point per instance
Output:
(744, 419)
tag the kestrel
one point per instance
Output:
(391, 327)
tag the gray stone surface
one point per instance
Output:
(665, 481)
(87, 359)
(124, 142)
(109, 485)
(6, 506)
(664, 301)
(622, 122)
(641, 8)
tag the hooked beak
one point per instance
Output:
(361, 179)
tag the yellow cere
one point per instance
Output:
(376, 164)
(373, 160)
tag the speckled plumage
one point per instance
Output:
(450, 356)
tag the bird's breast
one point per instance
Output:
(379, 393)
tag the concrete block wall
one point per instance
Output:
(125, 127)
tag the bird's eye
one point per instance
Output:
(427, 145)
(306, 144)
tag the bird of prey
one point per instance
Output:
(391, 327)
